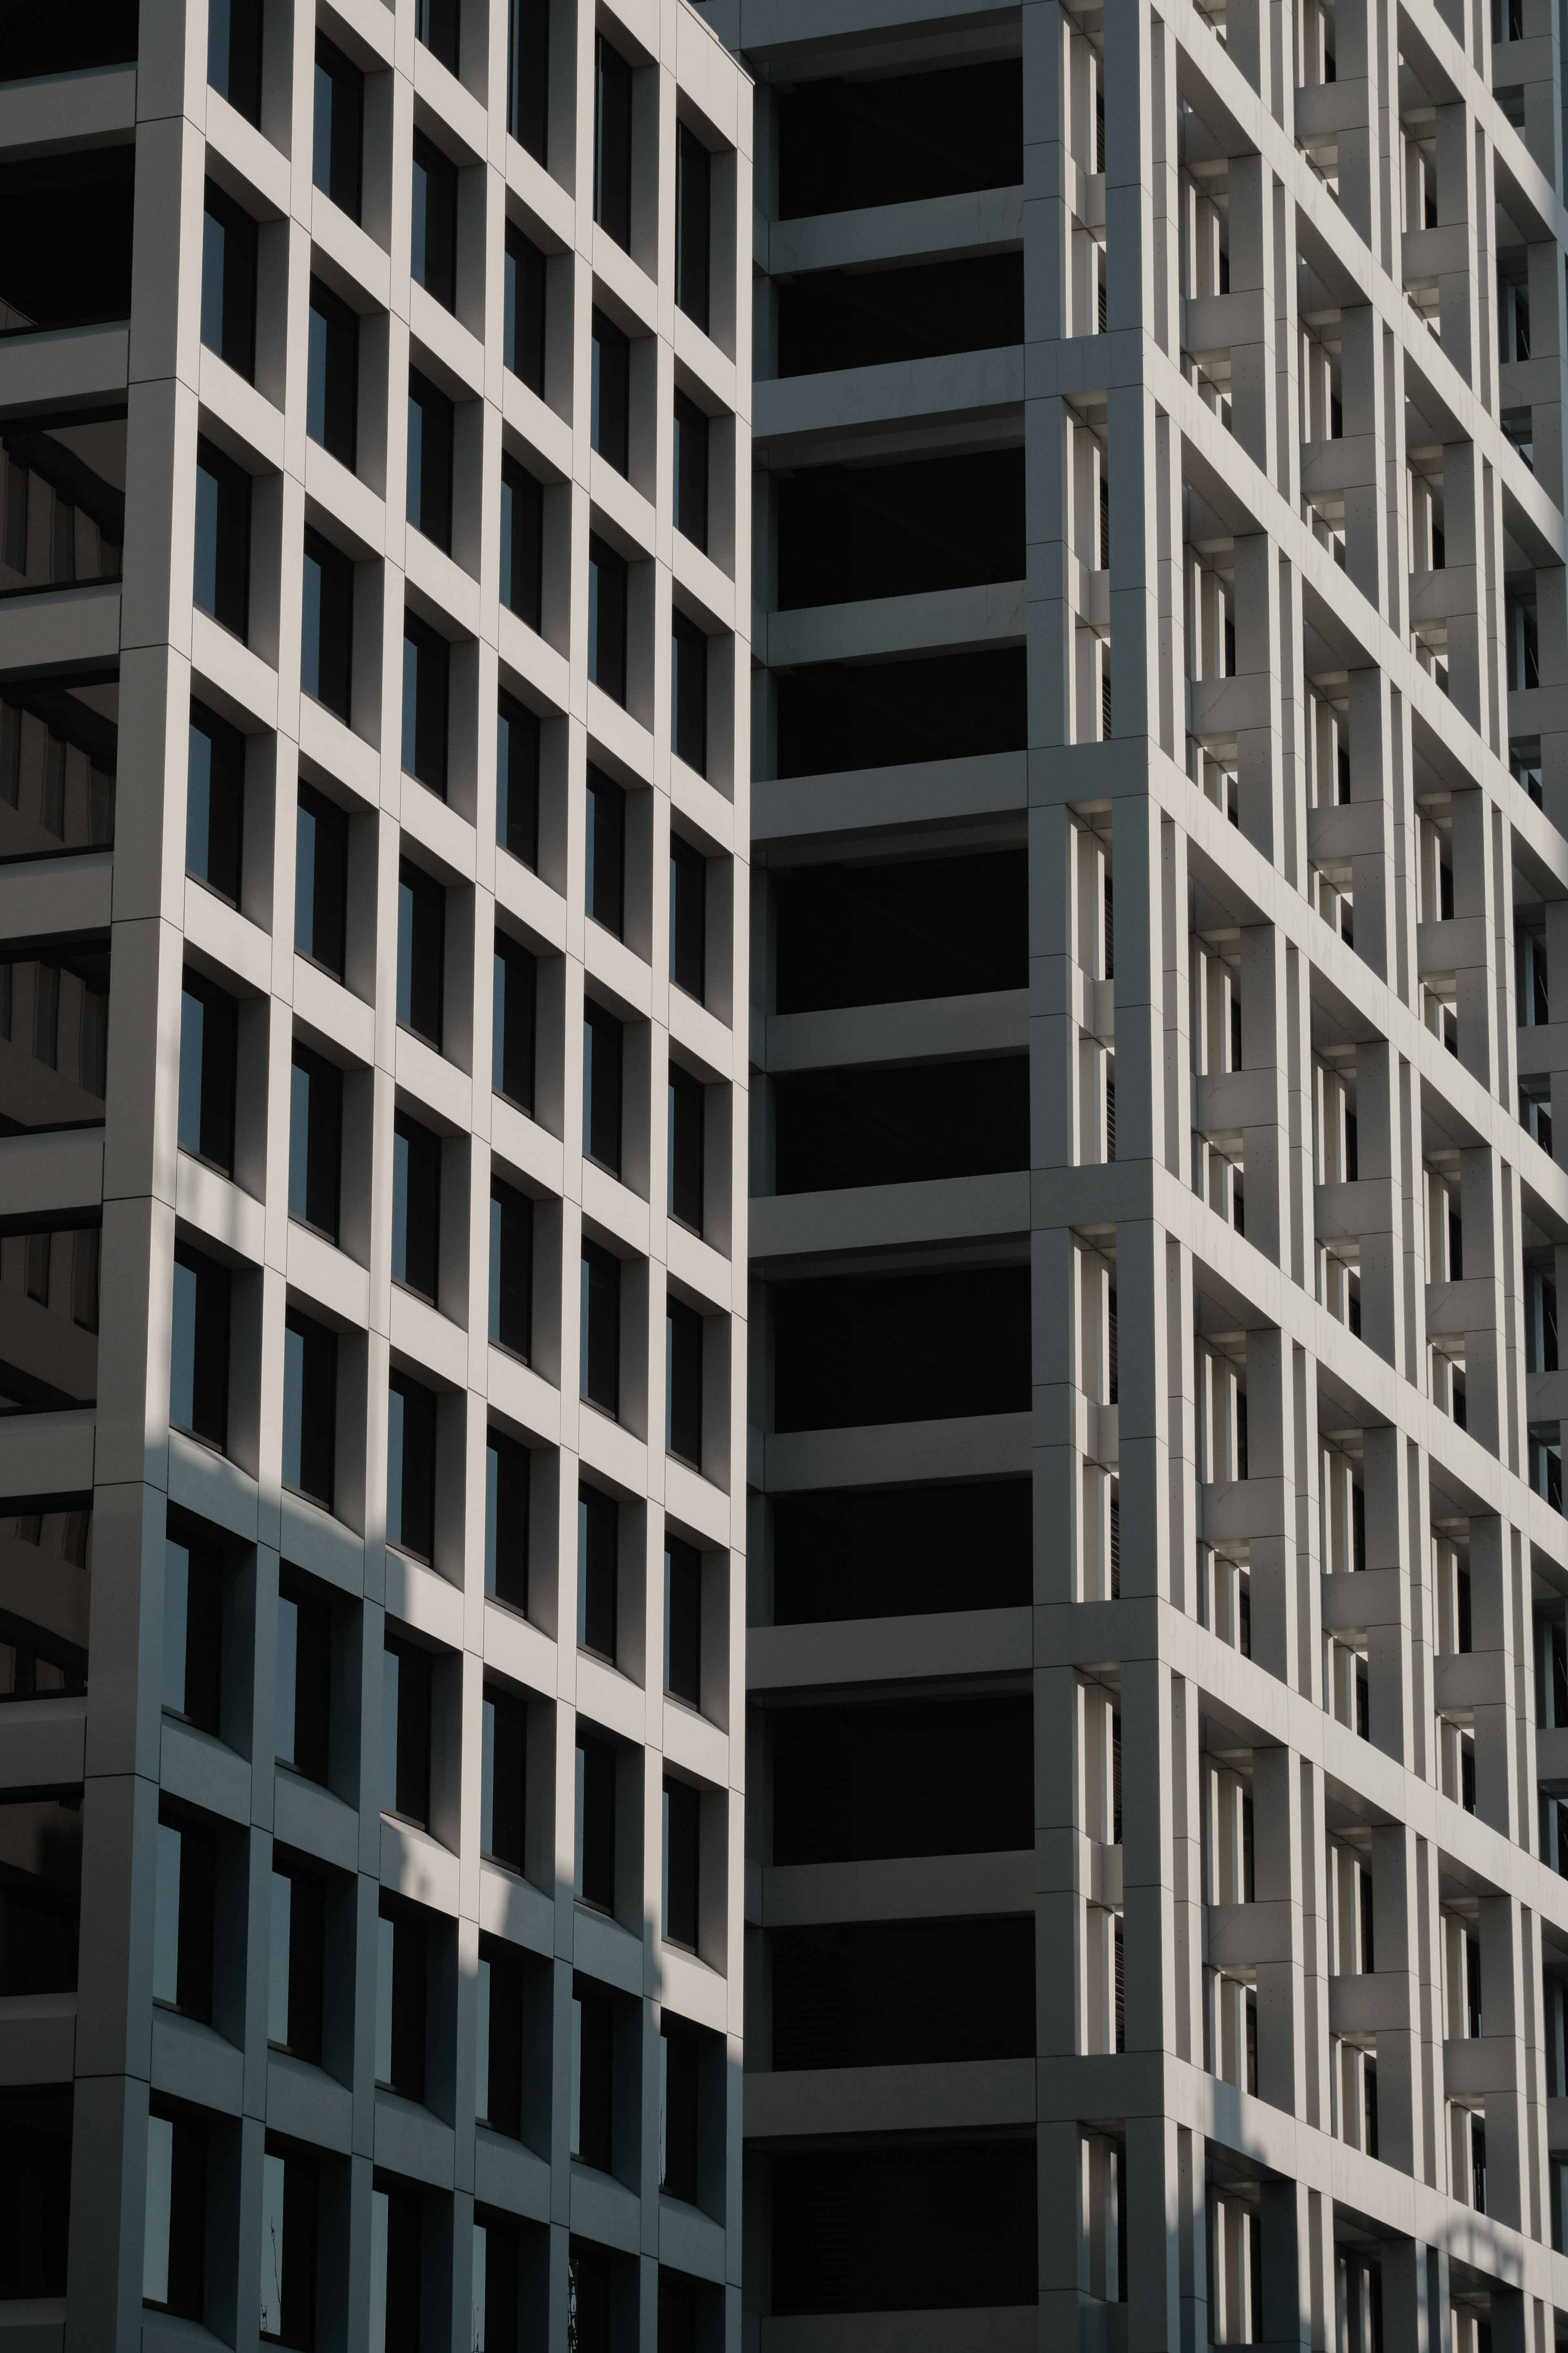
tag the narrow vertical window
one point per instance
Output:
(411, 1467)
(233, 55)
(512, 1030)
(436, 23)
(693, 205)
(688, 917)
(690, 472)
(215, 802)
(507, 1468)
(521, 542)
(607, 619)
(426, 666)
(602, 1060)
(528, 76)
(609, 403)
(522, 347)
(331, 375)
(337, 130)
(429, 501)
(432, 235)
(517, 779)
(613, 142)
(198, 1348)
(315, 1141)
(511, 1268)
(686, 1123)
(221, 575)
(683, 1383)
(228, 282)
(209, 1037)
(682, 1620)
(321, 881)
(600, 1321)
(421, 952)
(689, 692)
(605, 882)
(309, 1406)
(326, 633)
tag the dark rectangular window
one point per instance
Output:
(690, 472)
(503, 1785)
(338, 132)
(410, 1466)
(602, 1058)
(679, 2069)
(174, 2266)
(429, 505)
(34, 2188)
(421, 952)
(53, 1015)
(593, 1879)
(182, 1913)
(426, 661)
(228, 282)
(688, 918)
(327, 623)
(40, 1916)
(209, 1022)
(402, 1969)
(600, 1319)
(689, 692)
(521, 542)
(683, 1383)
(511, 1268)
(604, 893)
(67, 224)
(693, 205)
(309, 1406)
(198, 1352)
(687, 1121)
(893, 1552)
(332, 375)
(436, 23)
(517, 779)
(298, 1950)
(512, 1023)
(303, 1714)
(609, 413)
(498, 2102)
(598, 1572)
(405, 1729)
(315, 1140)
(593, 2101)
(613, 142)
(507, 1468)
(523, 328)
(193, 1632)
(220, 582)
(46, 1590)
(433, 253)
(215, 802)
(415, 1205)
(234, 54)
(291, 2217)
(682, 1620)
(607, 619)
(528, 75)
(321, 879)
(682, 1815)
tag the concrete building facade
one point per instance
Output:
(1156, 1923)
(374, 401)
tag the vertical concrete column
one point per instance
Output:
(1259, 768)
(1062, 1860)
(1177, 1138)
(1535, 2161)
(1494, 1635)
(1475, 907)
(1458, 311)
(1053, 1022)
(1186, 1878)
(1254, 417)
(1423, 1613)
(1151, 2220)
(1165, 198)
(1362, 362)
(1503, 2001)
(1138, 504)
(1277, 1878)
(1380, 1189)
(1316, 2103)
(1469, 539)
(1273, 1477)
(1480, 1190)
(1047, 169)
(1148, 1921)
(1172, 657)
(1388, 1543)
(1137, 843)
(1266, 1140)
(1065, 2301)
(1545, 374)
(1366, 58)
(1182, 1436)
(1395, 1913)
(1285, 2236)
(1129, 211)
(1051, 568)
(1056, 1295)
(1143, 1412)
(1192, 2231)
(1373, 837)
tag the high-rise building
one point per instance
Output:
(375, 385)
(1157, 1926)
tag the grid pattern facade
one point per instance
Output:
(1159, 564)
(373, 393)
